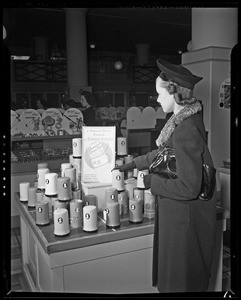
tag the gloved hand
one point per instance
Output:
(126, 167)
(147, 180)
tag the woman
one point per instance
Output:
(184, 231)
(87, 102)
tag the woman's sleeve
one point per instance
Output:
(144, 161)
(188, 148)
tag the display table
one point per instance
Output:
(115, 261)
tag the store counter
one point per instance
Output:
(110, 261)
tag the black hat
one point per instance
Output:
(178, 74)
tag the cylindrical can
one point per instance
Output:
(123, 202)
(32, 196)
(51, 184)
(61, 222)
(43, 165)
(63, 167)
(90, 200)
(118, 180)
(71, 173)
(71, 159)
(77, 164)
(77, 147)
(111, 195)
(48, 199)
(130, 184)
(42, 213)
(76, 213)
(140, 178)
(121, 146)
(61, 204)
(138, 194)
(39, 195)
(135, 211)
(76, 194)
(128, 159)
(135, 172)
(118, 162)
(90, 218)
(64, 188)
(23, 190)
(149, 204)
(112, 214)
(41, 177)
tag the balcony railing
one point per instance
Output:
(35, 71)
(145, 74)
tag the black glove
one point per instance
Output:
(126, 167)
(147, 180)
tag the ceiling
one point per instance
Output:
(166, 30)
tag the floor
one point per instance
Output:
(19, 282)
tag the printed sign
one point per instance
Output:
(14, 123)
(225, 94)
(72, 121)
(30, 123)
(98, 153)
(52, 121)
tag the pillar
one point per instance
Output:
(76, 48)
(214, 34)
(41, 48)
(215, 27)
(142, 54)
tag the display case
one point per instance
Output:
(27, 152)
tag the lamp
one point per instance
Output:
(118, 65)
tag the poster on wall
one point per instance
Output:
(98, 153)
(225, 94)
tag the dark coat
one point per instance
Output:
(184, 231)
(89, 116)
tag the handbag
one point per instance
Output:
(164, 165)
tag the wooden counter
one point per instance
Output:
(110, 261)
(77, 237)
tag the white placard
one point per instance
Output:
(72, 121)
(52, 121)
(98, 153)
(14, 121)
(30, 123)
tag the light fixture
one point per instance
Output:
(20, 57)
(4, 33)
(92, 45)
(118, 65)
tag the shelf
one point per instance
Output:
(36, 138)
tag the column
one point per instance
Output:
(214, 34)
(215, 27)
(142, 54)
(41, 48)
(76, 47)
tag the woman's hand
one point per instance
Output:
(125, 167)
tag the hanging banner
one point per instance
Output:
(98, 153)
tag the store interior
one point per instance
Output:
(111, 53)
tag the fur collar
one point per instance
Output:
(175, 120)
